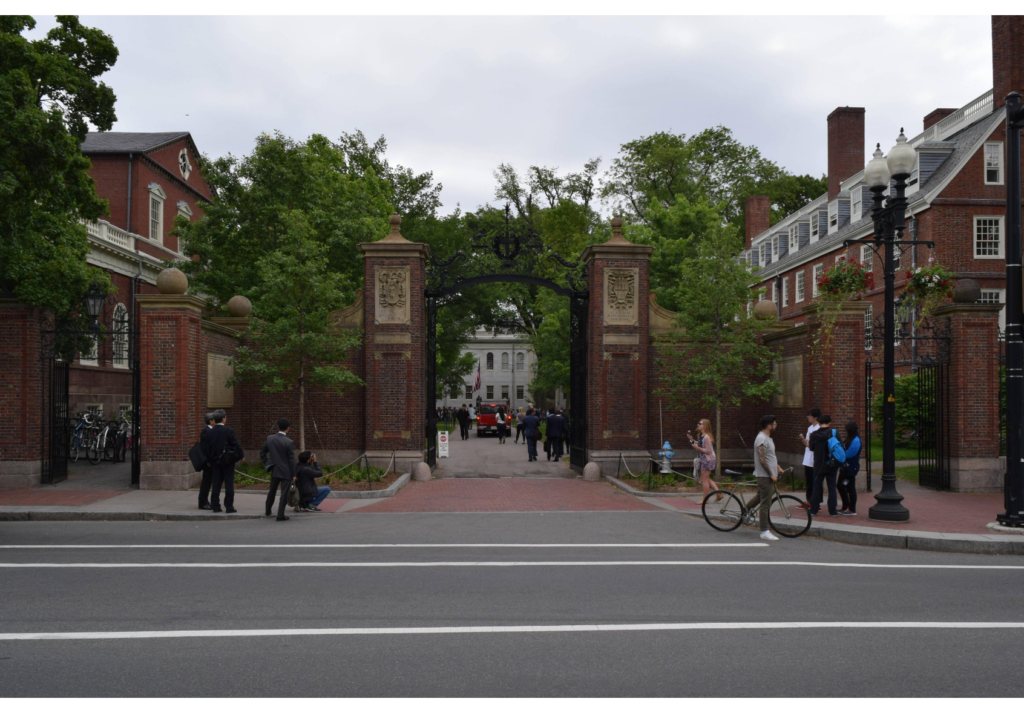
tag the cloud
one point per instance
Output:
(459, 95)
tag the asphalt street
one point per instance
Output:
(495, 604)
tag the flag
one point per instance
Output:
(476, 386)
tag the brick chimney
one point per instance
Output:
(758, 216)
(845, 145)
(935, 117)
(1007, 56)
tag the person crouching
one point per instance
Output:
(310, 494)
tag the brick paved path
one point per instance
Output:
(52, 496)
(507, 495)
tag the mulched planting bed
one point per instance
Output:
(336, 484)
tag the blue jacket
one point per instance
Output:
(531, 426)
(852, 464)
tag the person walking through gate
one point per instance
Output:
(848, 471)
(278, 456)
(500, 421)
(766, 472)
(531, 429)
(563, 431)
(705, 447)
(462, 416)
(207, 481)
(812, 420)
(824, 471)
(519, 424)
(222, 451)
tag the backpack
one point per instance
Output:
(836, 452)
(228, 456)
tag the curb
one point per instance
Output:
(88, 515)
(347, 494)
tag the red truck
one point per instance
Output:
(487, 417)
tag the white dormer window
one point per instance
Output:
(833, 216)
(855, 202)
(916, 172)
(994, 163)
(775, 248)
(794, 239)
(814, 227)
(765, 246)
(156, 212)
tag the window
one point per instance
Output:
(120, 340)
(994, 164)
(995, 297)
(469, 391)
(841, 257)
(988, 234)
(794, 239)
(764, 252)
(916, 172)
(454, 392)
(91, 357)
(750, 308)
(520, 392)
(504, 392)
(504, 361)
(814, 227)
(800, 277)
(867, 257)
(775, 248)
(124, 410)
(94, 409)
(833, 216)
(156, 212)
(520, 362)
(490, 392)
(785, 292)
(816, 276)
(855, 203)
(185, 210)
(869, 327)
(490, 361)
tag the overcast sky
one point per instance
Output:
(458, 96)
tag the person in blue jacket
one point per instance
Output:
(848, 471)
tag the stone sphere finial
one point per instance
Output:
(617, 223)
(239, 306)
(172, 281)
(396, 222)
(967, 291)
(765, 309)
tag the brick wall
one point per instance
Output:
(21, 400)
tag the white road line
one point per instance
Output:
(556, 629)
(613, 563)
(383, 546)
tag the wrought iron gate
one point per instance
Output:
(431, 447)
(933, 425)
(578, 380)
(55, 441)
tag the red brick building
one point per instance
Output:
(148, 179)
(956, 198)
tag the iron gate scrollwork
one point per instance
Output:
(922, 349)
(512, 253)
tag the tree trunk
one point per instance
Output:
(302, 413)
(718, 448)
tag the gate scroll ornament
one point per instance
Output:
(513, 253)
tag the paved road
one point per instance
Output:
(182, 609)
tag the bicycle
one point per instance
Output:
(78, 436)
(728, 512)
(99, 447)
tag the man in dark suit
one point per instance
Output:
(463, 417)
(204, 486)
(563, 432)
(278, 456)
(552, 434)
(222, 451)
(531, 429)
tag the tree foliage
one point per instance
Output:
(49, 94)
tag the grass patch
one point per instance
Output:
(902, 452)
(254, 474)
(910, 473)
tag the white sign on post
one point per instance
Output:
(442, 444)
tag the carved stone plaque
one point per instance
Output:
(789, 372)
(392, 295)
(219, 370)
(620, 296)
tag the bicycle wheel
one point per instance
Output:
(787, 517)
(73, 451)
(724, 515)
(95, 453)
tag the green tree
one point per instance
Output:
(717, 359)
(290, 344)
(909, 404)
(49, 95)
(257, 196)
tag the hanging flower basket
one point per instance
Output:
(843, 282)
(929, 287)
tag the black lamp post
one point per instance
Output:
(1013, 486)
(94, 299)
(890, 221)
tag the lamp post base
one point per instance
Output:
(889, 503)
(1010, 520)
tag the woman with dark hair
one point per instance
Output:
(848, 472)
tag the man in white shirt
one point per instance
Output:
(767, 470)
(812, 419)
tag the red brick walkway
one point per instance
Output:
(50, 496)
(507, 495)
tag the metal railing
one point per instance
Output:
(955, 121)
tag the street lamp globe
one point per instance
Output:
(876, 173)
(902, 157)
(94, 300)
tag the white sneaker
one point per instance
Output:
(767, 535)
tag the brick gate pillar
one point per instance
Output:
(23, 403)
(170, 351)
(617, 351)
(395, 348)
(973, 438)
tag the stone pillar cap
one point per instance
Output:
(395, 236)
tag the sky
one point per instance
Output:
(460, 95)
